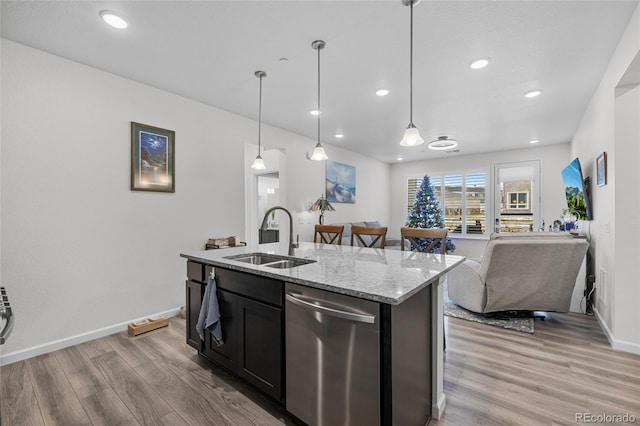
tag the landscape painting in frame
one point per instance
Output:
(152, 158)
(341, 183)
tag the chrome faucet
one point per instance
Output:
(292, 245)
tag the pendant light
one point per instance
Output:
(411, 135)
(318, 152)
(258, 163)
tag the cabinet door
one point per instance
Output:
(260, 351)
(195, 292)
(227, 354)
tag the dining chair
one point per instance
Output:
(368, 236)
(328, 234)
(424, 239)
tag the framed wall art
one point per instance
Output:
(601, 166)
(152, 158)
(340, 183)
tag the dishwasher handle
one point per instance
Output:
(357, 317)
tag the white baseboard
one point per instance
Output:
(437, 408)
(617, 344)
(34, 351)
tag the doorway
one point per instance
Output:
(268, 196)
(517, 203)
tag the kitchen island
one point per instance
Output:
(401, 290)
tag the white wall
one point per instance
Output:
(615, 231)
(82, 254)
(552, 158)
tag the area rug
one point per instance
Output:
(525, 325)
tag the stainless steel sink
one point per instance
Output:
(270, 260)
(283, 264)
(255, 258)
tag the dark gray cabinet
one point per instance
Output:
(252, 321)
(195, 292)
(260, 353)
(197, 274)
(227, 354)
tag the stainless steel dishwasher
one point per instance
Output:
(332, 358)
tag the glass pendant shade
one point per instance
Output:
(411, 137)
(318, 153)
(258, 163)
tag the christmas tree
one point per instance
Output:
(426, 213)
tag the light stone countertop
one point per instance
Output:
(387, 276)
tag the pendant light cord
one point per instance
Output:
(259, 115)
(411, 68)
(319, 112)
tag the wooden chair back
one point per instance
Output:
(433, 236)
(376, 234)
(328, 234)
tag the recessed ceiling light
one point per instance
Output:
(399, 158)
(479, 63)
(382, 92)
(534, 141)
(532, 94)
(114, 19)
(339, 136)
(314, 112)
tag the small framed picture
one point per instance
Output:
(601, 164)
(152, 158)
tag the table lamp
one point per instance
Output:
(322, 205)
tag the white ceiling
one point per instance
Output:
(209, 51)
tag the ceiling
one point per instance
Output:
(208, 51)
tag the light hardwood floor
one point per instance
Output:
(492, 377)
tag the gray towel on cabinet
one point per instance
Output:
(209, 318)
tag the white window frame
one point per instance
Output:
(517, 205)
(442, 201)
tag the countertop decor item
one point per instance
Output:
(258, 163)
(152, 158)
(411, 135)
(322, 205)
(318, 152)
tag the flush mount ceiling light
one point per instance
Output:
(532, 93)
(382, 92)
(339, 136)
(411, 135)
(314, 112)
(114, 19)
(443, 143)
(479, 63)
(534, 141)
(399, 158)
(258, 163)
(318, 152)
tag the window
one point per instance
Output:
(462, 200)
(518, 200)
